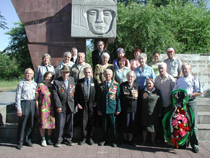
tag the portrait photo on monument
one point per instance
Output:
(94, 18)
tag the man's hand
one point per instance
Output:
(19, 113)
(79, 106)
(99, 113)
(117, 113)
(95, 104)
(59, 110)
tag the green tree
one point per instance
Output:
(9, 68)
(18, 46)
(2, 22)
(151, 28)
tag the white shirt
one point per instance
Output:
(190, 83)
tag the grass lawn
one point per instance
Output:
(8, 85)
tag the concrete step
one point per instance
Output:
(204, 132)
(204, 108)
(12, 117)
(203, 117)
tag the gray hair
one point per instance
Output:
(46, 55)
(67, 53)
(28, 69)
(108, 70)
(86, 68)
(131, 72)
(142, 55)
(163, 64)
(105, 54)
(81, 53)
(186, 65)
(74, 48)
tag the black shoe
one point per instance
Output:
(29, 144)
(69, 143)
(132, 143)
(82, 142)
(113, 145)
(19, 146)
(195, 149)
(101, 143)
(91, 142)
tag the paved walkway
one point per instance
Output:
(7, 98)
(8, 150)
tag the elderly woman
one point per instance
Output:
(129, 94)
(99, 70)
(155, 62)
(66, 61)
(44, 108)
(122, 70)
(144, 71)
(150, 101)
(44, 67)
(134, 62)
(120, 54)
(25, 105)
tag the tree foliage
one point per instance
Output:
(151, 28)
(18, 46)
(2, 22)
(9, 68)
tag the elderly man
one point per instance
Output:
(74, 55)
(63, 94)
(173, 64)
(193, 87)
(66, 61)
(108, 106)
(86, 101)
(165, 83)
(25, 105)
(77, 71)
(96, 54)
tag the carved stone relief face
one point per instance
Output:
(94, 18)
(100, 20)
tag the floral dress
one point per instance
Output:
(46, 110)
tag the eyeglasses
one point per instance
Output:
(67, 57)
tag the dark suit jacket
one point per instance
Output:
(62, 97)
(79, 94)
(129, 97)
(108, 100)
(96, 59)
(73, 61)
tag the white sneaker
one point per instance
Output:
(43, 143)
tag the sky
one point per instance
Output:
(8, 11)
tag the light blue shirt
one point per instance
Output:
(121, 76)
(41, 70)
(190, 83)
(142, 75)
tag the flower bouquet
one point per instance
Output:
(178, 120)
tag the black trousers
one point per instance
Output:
(64, 125)
(108, 118)
(26, 121)
(87, 120)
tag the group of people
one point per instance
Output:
(126, 94)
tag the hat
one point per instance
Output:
(120, 50)
(65, 69)
(171, 50)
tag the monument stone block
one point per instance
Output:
(94, 18)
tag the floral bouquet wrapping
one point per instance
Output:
(178, 120)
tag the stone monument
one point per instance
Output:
(94, 18)
(48, 28)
